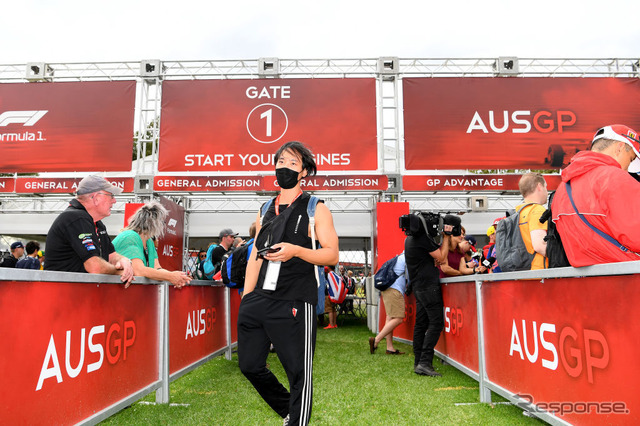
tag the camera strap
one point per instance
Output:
(424, 224)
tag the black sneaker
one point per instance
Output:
(426, 370)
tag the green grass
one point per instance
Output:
(351, 387)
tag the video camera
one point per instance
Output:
(430, 223)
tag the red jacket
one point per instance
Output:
(609, 198)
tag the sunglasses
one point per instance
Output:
(108, 193)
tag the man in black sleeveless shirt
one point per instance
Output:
(280, 291)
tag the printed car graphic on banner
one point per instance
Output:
(506, 123)
(237, 125)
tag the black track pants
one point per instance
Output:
(291, 327)
(429, 323)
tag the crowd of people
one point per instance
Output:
(591, 208)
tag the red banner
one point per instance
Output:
(237, 125)
(335, 183)
(66, 127)
(268, 183)
(207, 183)
(197, 324)
(29, 185)
(74, 349)
(569, 345)
(507, 123)
(7, 184)
(470, 182)
(171, 245)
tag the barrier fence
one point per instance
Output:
(80, 347)
(560, 343)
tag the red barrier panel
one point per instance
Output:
(459, 339)
(568, 344)
(235, 307)
(71, 350)
(197, 326)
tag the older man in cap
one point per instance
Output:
(17, 251)
(78, 241)
(595, 208)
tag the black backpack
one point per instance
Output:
(555, 250)
(234, 265)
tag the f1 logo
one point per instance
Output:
(27, 118)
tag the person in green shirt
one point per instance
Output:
(137, 243)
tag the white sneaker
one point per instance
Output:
(286, 421)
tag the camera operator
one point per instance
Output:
(421, 255)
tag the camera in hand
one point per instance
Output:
(430, 223)
(455, 222)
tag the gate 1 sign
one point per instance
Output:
(66, 127)
(237, 125)
(510, 123)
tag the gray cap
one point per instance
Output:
(95, 183)
(226, 232)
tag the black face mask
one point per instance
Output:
(287, 178)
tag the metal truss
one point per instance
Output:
(49, 204)
(248, 203)
(290, 68)
(82, 71)
(528, 67)
(337, 68)
(191, 203)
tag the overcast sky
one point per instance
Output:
(130, 30)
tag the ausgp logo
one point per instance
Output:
(27, 118)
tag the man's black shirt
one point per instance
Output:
(9, 262)
(74, 238)
(420, 265)
(217, 254)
